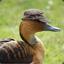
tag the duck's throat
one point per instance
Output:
(31, 39)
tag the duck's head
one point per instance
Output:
(34, 19)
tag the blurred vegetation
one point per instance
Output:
(11, 12)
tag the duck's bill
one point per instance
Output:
(51, 28)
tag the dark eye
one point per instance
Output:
(38, 15)
(42, 22)
(31, 16)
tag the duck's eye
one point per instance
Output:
(42, 22)
(38, 14)
(31, 16)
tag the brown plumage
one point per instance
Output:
(31, 49)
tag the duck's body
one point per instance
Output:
(2, 41)
(21, 52)
(30, 50)
(15, 52)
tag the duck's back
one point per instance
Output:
(2, 41)
(15, 52)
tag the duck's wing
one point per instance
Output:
(15, 52)
(2, 41)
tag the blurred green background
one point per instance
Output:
(11, 12)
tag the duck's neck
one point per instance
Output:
(27, 34)
(30, 39)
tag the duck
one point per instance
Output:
(29, 50)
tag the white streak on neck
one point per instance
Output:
(34, 40)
